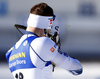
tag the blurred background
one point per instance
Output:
(79, 32)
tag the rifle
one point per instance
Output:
(55, 37)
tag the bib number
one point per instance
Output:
(19, 76)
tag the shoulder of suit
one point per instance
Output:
(42, 41)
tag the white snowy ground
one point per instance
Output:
(91, 71)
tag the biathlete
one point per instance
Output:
(32, 56)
